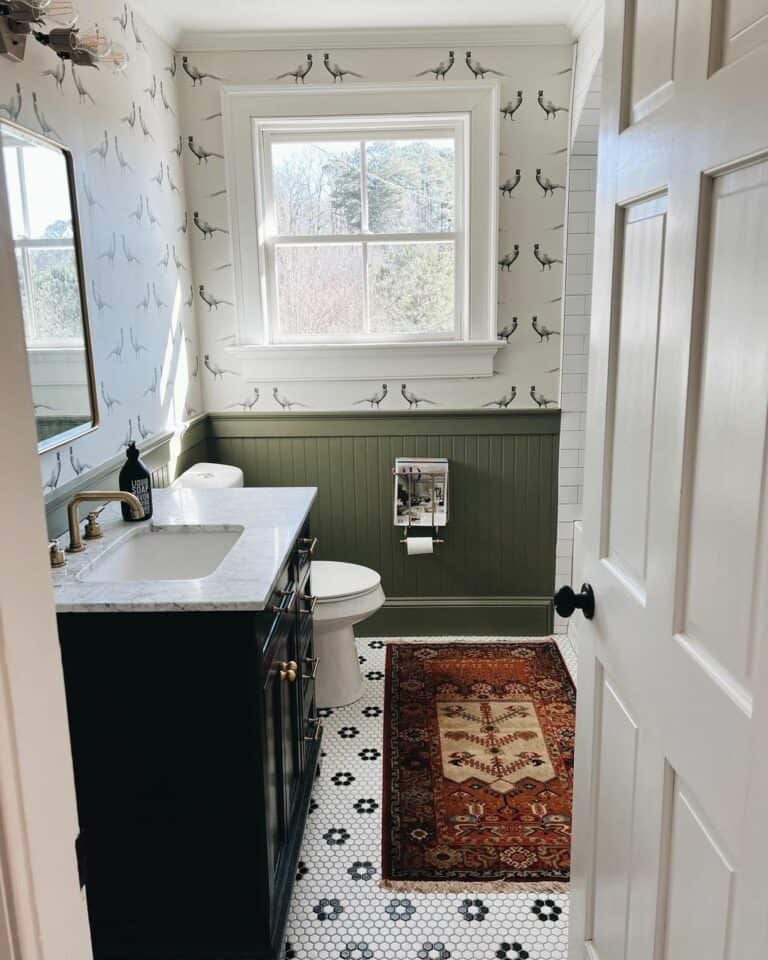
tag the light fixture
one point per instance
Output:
(92, 47)
(88, 48)
(18, 17)
(55, 22)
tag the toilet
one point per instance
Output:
(210, 476)
(346, 593)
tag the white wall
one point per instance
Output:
(588, 27)
(578, 307)
(530, 141)
(165, 334)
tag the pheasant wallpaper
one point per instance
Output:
(536, 83)
(152, 194)
(123, 130)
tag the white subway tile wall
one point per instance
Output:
(578, 304)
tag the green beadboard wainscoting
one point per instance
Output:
(494, 573)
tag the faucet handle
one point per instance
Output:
(92, 526)
(56, 554)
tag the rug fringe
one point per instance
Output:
(485, 886)
(492, 641)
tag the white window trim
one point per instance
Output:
(244, 107)
(397, 127)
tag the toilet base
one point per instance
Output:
(338, 681)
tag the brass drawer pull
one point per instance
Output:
(311, 600)
(309, 550)
(283, 607)
(288, 670)
(314, 661)
(318, 730)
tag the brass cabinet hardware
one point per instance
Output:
(314, 661)
(318, 729)
(56, 554)
(288, 670)
(311, 600)
(309, 549)
(283, 607)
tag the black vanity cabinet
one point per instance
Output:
(195, 743)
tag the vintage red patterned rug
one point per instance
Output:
(478, 766)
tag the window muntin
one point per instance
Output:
(392, 197)
(45, 248)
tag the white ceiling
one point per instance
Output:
(176, 18)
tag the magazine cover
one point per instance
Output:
(421, 491)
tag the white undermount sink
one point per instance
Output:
(173, 552)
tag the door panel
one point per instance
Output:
(637, 333)
(728, 464)
(615, 813)
(739, 26)
(700, 884)
(671, 780)
(653, 55)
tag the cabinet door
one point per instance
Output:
(279, 765)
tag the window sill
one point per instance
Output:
(369, 361)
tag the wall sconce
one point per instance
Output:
(87, 49)
(18, 18)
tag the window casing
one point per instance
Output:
(371, 249)
(254, 115)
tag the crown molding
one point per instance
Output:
(404, 38)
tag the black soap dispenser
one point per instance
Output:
(136, 479)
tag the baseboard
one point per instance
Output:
(460, 617)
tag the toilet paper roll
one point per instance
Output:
(419, 546)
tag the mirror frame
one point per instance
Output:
(61, 439)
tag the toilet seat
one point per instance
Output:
(333, 580)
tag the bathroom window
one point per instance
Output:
(363, 236)
(364, 225)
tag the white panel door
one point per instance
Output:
(670, 853)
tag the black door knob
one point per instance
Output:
(566, 601)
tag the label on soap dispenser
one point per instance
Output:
(142, 491)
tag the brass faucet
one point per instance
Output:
(75, 543)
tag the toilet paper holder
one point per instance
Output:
(410, 481)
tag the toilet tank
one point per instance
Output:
(210, 476)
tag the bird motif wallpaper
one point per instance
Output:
(121, 129)
(536, 84)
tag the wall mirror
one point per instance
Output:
(39, 182)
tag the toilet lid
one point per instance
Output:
(332, 580)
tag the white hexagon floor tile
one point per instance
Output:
(339, 911)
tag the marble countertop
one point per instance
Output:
(270, 517)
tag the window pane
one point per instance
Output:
(411, 185)
(319, 290)
(317, 188)
(55, 309)
(411, 288)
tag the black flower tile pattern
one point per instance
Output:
(400, 909)
(433, 951)
(546, 910)
(340, 867)
(473, 909)
(512, 951)
(344, 778)
(347, 733)
(328, 909)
